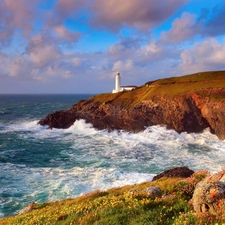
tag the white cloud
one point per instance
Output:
(44, 56)
(76, 61)
(15, 15)
(18, 67)
(143, 14)
(67, 74)
(116, 48)
(65, 36)
(129, 65)
(123, 66)
(182, 29)
(153, 48)
(42, 51)
(208, 55)
(35, 40)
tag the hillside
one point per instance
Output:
(186, 104)
(164, 201)
(199, 83)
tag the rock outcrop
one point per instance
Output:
(29, 208)
(188, 111)
(209, 195)
(191, 113)
(183, 172)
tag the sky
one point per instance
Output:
(77, 46)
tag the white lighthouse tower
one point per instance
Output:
(119, 88)
(117, 84)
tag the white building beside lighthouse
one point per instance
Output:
(119, 88)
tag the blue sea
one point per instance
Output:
(42, 165)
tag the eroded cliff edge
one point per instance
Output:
(189, 103)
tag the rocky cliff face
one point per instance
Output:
(190, 112)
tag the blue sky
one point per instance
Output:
(77, 46)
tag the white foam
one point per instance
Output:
(35, 130)
(199, 151)
(23, 126)
(156, 142)
(51, 184)
(81, 127)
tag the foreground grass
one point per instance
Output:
(127, 205)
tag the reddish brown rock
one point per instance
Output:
(29, 208)
(209, 195)
(191, 112)
(183, 172)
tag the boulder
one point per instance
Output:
(29, 208)
(153, 191)
(217, 176)
(209, 198)
(183, 172)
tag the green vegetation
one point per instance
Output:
(198, 83)
(196, 77)
(132, 205)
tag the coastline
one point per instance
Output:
(189, 104)
(172, 197)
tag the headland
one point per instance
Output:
(189, 103)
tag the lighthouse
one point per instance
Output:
(117, 83)
(119, 88)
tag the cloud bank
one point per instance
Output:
(76, 46)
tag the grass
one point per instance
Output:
(126, 205)
(196, 77)
(198, 83)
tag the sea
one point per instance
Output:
(42, 165)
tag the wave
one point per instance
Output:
(20, 126)
(155, 142)
(52, 184)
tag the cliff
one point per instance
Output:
(189, 103)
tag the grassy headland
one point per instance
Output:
(196, 83)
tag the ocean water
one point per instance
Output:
(40, 165)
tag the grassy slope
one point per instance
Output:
(168, 86)
(126, 205)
